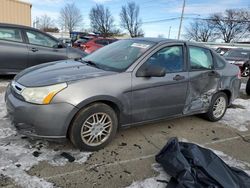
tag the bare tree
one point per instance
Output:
(70, 17)
(130, 19)
(102, 21)
(200, 31)
(246, 16)
(45, 22)
(231, 24)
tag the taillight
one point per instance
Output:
(239, 74)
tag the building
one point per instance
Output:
(15, 12)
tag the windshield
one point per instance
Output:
(238, 54)
(119, 55)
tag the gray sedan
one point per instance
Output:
(129, 82)
(22, 47)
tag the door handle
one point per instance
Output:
(178, 77)
(34, 49)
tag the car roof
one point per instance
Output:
(164, 40)
(156, 40)
(15, 25)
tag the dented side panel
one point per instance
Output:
(204, 84)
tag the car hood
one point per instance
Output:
(58, 72)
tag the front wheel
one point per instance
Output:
(217, 108)
(93, 127)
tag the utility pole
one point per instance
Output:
(182, 13)
(169, 32)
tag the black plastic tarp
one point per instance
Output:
(192, 166)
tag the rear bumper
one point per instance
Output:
(46, 121)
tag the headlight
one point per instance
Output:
(42, 95)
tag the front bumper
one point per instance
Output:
(46, 121)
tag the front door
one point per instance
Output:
(43, 49)
(161, 97)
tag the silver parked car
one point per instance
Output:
(131, 81)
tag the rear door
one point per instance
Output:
(161, 97)
(43, 49)
(13, 50)
(204, 79)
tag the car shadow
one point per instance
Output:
(6, 77)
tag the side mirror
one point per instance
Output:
(151, 70)
(59, 45)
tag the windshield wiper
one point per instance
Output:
(92, 63)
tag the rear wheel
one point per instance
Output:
(218, 107)
(245, 73)
(93, 127)
(248, 87)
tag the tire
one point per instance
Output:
(245, 72)
(88, 129)
(248, 87)
(211, 114)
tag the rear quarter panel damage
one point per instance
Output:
(202, 87)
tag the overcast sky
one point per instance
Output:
(150, 10)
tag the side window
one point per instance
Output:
(40, 39)
(171, 58)
(200, 58)
(10, 34)
(220, 63)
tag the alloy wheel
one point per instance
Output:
(96, 129)
(219, 107)
(245, 73)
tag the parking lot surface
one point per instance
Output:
(127, 161)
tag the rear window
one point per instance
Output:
(11, 34)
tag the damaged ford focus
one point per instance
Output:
(131, 81)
